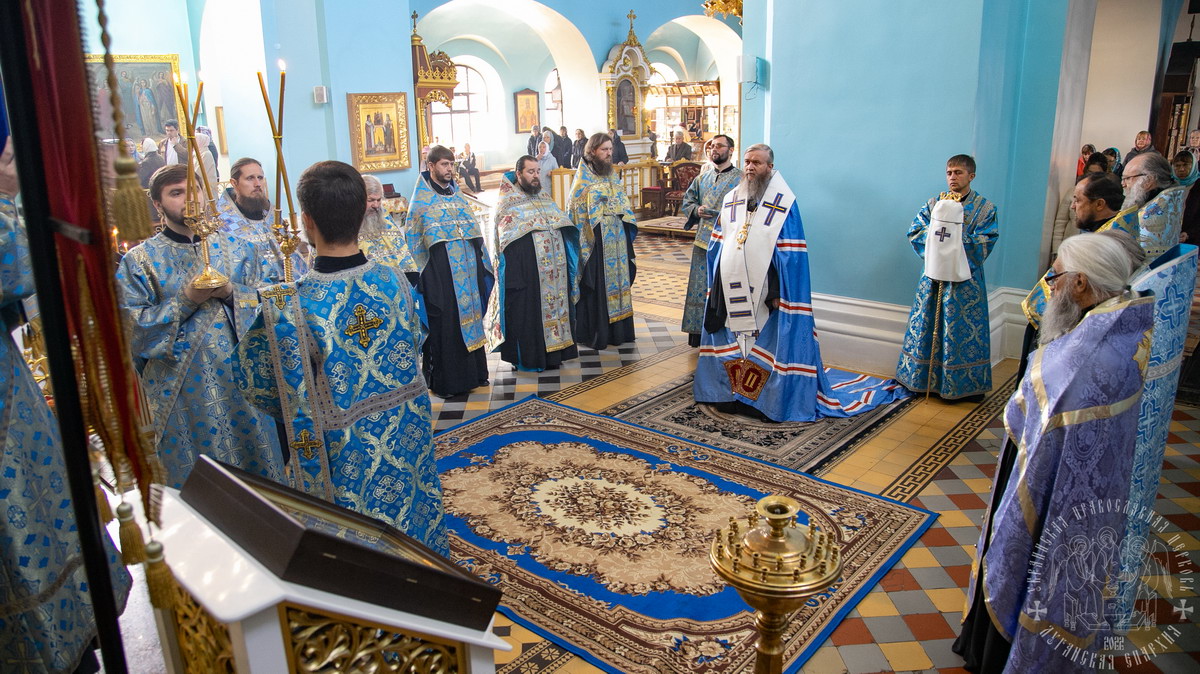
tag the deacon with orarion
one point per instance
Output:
(182, 339)
(456, 278)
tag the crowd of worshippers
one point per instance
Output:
(324, 382)
(563, 150)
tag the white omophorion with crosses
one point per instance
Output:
(945, 257)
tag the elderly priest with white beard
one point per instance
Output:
(1046, 584)
(759, 354)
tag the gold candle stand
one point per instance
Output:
(775, 567)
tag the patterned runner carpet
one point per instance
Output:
(670, 408)
(598, 532)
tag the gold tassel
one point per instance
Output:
(129, 203)
(160, 581)
(106, 513)
(133, 546)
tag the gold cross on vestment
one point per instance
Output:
(278, 294)
(306, 443)
(362, 325)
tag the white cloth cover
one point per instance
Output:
(945, 257)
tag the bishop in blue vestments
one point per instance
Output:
(947, 346)
(335, 357)
(759, 353)
(183, 338)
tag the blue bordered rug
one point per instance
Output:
(598, 532)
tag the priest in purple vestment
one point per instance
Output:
(1047, 564)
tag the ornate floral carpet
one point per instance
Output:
(598, 532)
(672, 409)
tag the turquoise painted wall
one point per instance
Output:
(863, 139)
(1014, 126)
(291, 35)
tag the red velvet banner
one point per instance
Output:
(73, 179)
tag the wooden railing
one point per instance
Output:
(634, 177)
(560, 186)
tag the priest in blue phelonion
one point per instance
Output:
(335, 357)
(759, 353)
(1045, 585)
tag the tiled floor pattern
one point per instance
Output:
(508, 385)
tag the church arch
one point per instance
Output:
(663, 73)
(526, 28)
(705, 49)
(678, 68)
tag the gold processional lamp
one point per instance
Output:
(200, 217)
(287, 232)
(775, 566)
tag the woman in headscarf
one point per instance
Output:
(1184, 167)
(207, 163)
(1114, 161)
(212, 147)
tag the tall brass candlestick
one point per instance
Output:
(194, 216)
(289, 238)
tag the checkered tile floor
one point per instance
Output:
(508, 385)
(663, 249)
(909, 621)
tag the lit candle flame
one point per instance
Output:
(282, 66)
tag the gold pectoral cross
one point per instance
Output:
(279, 295)
(362, 325)
(306, 443)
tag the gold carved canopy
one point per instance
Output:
(434, 79)
(626, 77)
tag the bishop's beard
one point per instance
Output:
(600, 167)
(1138, 195)
(1061, 316)
(754, 187)
(372, 224)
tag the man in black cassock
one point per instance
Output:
(447, 245)
(532, 311)
(600, 209)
